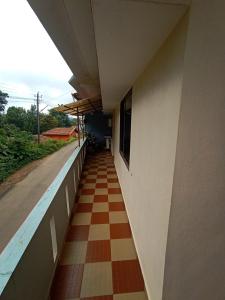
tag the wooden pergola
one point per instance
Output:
(80, 108)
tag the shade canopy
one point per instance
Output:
(82, 106)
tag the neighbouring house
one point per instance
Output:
(158, 67)
(61, 133)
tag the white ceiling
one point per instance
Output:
(108, 43)
(128, 33)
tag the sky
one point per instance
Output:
(29, 60)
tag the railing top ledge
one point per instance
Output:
(12, 253)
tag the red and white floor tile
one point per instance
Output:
(99, 261)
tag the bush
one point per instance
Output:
(18, 148)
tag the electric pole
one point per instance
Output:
(38, 120)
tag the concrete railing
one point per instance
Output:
(28, 262)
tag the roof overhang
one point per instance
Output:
(81, 107)
(108, 44)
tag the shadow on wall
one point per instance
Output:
(99, 124)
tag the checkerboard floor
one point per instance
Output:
(99, 260)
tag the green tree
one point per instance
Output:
(27, 120)
(73, 121)
(31, 123)
(18, 147)
(17, 116)
(47, 122)
(3, 101)
(2, 120)
(63, 119)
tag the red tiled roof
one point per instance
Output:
(60, 131)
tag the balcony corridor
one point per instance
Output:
(99, 260)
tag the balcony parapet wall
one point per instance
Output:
(28, 262)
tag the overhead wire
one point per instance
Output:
(62, 95)
(20, 101)
(21, 98)
(11, 91)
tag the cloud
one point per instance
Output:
(29, 61)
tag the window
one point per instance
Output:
(67, 201)
(53, 236)
(125, 126)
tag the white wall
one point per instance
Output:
(195, 262)
(147, 185)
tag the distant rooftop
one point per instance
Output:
(60, 131)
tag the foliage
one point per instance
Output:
(31, 120)
(2, 120)
(17, 116)
(62, 119)
(3, 101)
(17, 148)
(48, 122)
(27, 120)
(17, 127)
(73, 122)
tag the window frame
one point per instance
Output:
(123, 124)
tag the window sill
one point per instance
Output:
(124, 159)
